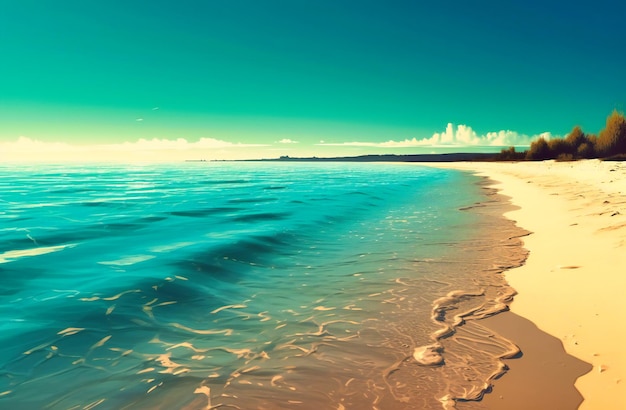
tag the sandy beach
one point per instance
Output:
(573, 285)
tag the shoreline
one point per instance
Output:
(572, 285)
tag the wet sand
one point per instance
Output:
(546, 372)
(573, 283)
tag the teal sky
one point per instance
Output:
(257, 72)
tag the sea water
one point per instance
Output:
(248, 285)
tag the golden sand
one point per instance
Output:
(573, 285)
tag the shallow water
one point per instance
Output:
(248, 285)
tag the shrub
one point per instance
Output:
(575, 138)
(610, 143)
(612, 139)
(585, 150)
(509, 154)
(559, 146)
(539, 150)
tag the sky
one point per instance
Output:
(217, 79)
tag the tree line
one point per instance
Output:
(609, 143)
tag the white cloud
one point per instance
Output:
(27, 149)
(462, 136)
(180, 144)
(25, 144)
(287, 141)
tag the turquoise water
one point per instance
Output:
(240, 285)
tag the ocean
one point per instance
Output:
(249, 285)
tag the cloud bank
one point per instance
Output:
(27, 149)
(462, 136)
(180, 144)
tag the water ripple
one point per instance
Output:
(238, 285)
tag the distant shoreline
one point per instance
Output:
(447, 157)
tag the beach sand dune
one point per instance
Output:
(573, 285)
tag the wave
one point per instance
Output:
(464, 349)
(202, 213)
(261, 217)
(212, 287)
(10, 256)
